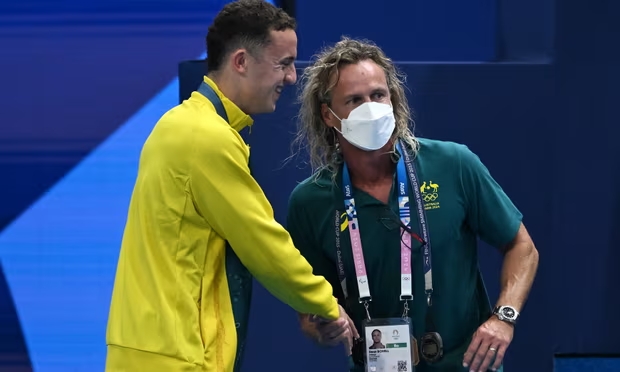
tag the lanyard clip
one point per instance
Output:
(367, 311)
(405, 310)
(365, 301)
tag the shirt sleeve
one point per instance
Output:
(490, 213)
(229, 198)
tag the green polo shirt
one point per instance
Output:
(462, 202)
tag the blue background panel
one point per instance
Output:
(71, 78)
(440, 30)
(59, 257)
(580, 363)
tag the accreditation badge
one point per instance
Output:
(389, 345)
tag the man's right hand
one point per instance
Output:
(331, 333)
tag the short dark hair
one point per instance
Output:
(243, 24)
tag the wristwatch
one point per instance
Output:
(507, 314)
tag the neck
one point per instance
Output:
(228, 86)
(368, 168)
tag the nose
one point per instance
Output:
(291, 75)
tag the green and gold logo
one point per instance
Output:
(430, 195)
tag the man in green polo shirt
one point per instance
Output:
(411, 272)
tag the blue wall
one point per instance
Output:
(440, 30)
(84, 89)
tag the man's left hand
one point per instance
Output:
(490, 341)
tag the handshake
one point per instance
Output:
(330, 332)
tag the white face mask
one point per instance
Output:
(369, 126)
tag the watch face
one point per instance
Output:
(508, 312)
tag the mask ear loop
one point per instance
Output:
(340, 120)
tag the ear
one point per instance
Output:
(239, 59)
(328, 118)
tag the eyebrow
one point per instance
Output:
(288, 59)
(374, 91)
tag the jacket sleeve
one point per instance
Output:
(232, 202)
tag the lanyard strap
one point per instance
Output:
(422, 221)
(208, 92)
(404, 168)
(341, 274)
(240, 290)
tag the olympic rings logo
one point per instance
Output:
(430, 197)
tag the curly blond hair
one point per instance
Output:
(313, 134)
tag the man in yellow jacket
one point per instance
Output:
(199, 226)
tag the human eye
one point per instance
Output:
(377, 96)
(286, 63)
(354, 100)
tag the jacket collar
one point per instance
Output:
(237, 118)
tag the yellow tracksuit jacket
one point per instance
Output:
(172, 307)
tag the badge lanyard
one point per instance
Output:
(210, 94)
(405, 167)
(233, 264)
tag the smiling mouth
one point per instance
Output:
(279, 90)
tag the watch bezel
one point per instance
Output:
(499, 312)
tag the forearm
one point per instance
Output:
(269, 254)
(518, 272)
